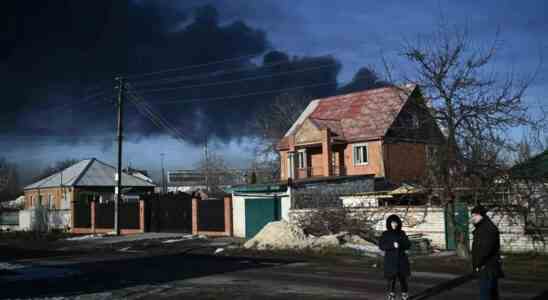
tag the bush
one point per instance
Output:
(320, 222)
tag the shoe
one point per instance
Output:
(391, 296)
(404, 296)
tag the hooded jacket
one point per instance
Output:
(396, 261)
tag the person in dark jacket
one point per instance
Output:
(486, 254)
(394, 242)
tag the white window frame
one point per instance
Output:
(301, 159)
(355, 157)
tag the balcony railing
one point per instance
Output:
(302, 173)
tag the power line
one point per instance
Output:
(175, 100)
(236, 80)
(157, 116)
(210, 74)
(156, 119)
(191, 66)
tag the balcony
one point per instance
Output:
(318, 172)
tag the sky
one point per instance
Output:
(187, 60)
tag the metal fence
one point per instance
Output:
(168, 212)
(211, 215)
(82, 214)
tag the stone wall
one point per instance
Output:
(430, 221)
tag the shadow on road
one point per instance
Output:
(103, 276)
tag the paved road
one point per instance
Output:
(192, 276)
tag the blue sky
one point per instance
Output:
(357, 33)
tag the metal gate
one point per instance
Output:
(259, 212)
(168, 213)
(461, 226)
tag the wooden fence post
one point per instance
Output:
(194, 216)
(92, 207)
(142, 215)
(228, 215)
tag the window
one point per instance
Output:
(360, 154)
(301, 159)
(50, 201)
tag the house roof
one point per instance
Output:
(533, 168)
(88, 172)
(356, 116)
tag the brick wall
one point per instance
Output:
(374, 158)
(31, 197)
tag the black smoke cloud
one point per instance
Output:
(56, 54)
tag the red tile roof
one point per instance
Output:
(361, 115)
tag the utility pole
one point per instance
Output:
(164, 187)
(206, 157)
(118, 177)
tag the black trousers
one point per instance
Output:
(403, 283)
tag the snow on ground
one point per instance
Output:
(183, 238)
(86, 237)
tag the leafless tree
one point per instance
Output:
(474, 105)
(56, 167)
(272, 124)
(217, 172)
(9, 181)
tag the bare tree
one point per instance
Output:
(217, 172)
(55, 168)
(9, 181)
(474, 105)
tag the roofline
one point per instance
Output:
(104, 163)
(83, 172)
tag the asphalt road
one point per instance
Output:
(192, 276)
(151, 269)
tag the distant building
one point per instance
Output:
(189, 181)
(186, 181)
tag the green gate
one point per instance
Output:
(461, 224)
(259, 212)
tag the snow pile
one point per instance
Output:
(86, 237)
(283, 235)
(183, 238)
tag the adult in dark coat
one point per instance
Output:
(394, 242)
(486, 254)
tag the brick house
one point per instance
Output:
(387, 132)
(87, 179)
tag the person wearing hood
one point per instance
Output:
(486, 254)
(394, 242)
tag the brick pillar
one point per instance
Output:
(194, 216)
(228, 215)
(92, 204)
(72, 215)
(142, 215)
(326, 153)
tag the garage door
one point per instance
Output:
(259, 212)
